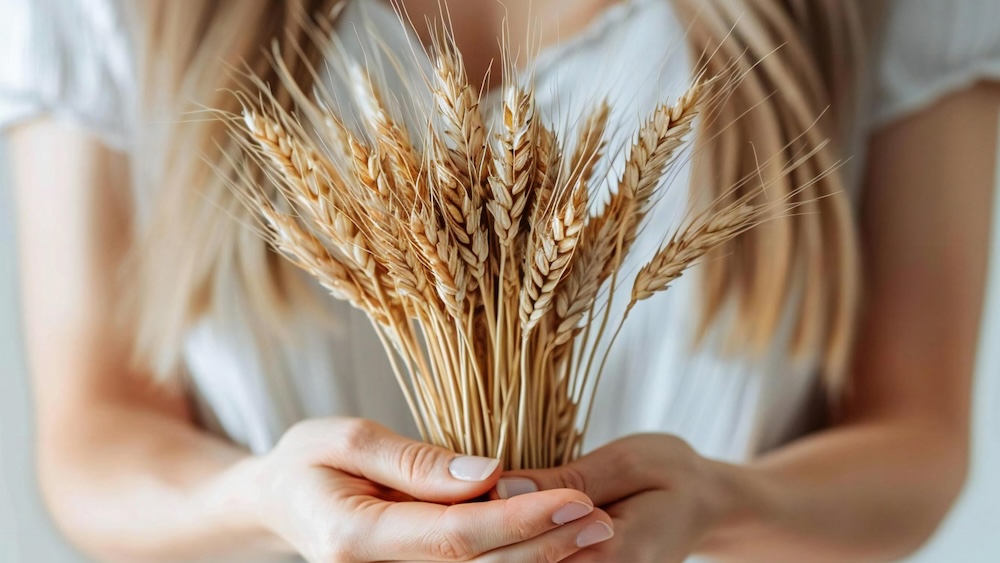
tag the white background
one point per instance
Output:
(970, 535)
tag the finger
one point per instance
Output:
(460, 532)
(557, 544)
(653, 527)
(607, 475)
(420, 470)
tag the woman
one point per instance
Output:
(740, 456)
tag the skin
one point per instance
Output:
(129, 476)
(532, 25)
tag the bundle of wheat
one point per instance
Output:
(474, 253)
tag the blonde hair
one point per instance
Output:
(796, 100)
(798, 60)
(193, 245)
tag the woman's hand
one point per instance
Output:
(348, 490)
(662, 496)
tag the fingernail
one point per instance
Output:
(472, 468)
(595, 532)
(509, 487)
(571, 511)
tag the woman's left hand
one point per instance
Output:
(663, 497)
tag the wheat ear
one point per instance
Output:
(312, 196)
(657, 143)
(689, 246)
(549, 254)
(512, 164)
(390, 135)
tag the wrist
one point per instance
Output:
(235, 498)
(741, 500)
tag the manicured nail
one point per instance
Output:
(472, 468)
(571, 511)
(595, 532)
(509, 487)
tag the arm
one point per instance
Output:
(129, 476)
(875, 485)
(123, 469)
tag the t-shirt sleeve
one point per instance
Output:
(69, 59)
(931, 48)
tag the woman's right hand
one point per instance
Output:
(349, 490)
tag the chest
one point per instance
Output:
(482, 27)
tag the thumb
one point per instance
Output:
(425, 472)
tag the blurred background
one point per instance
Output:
(970, 535)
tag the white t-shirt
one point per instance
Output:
(73, 59)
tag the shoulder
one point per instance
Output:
(930, 48)
(71, 59)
